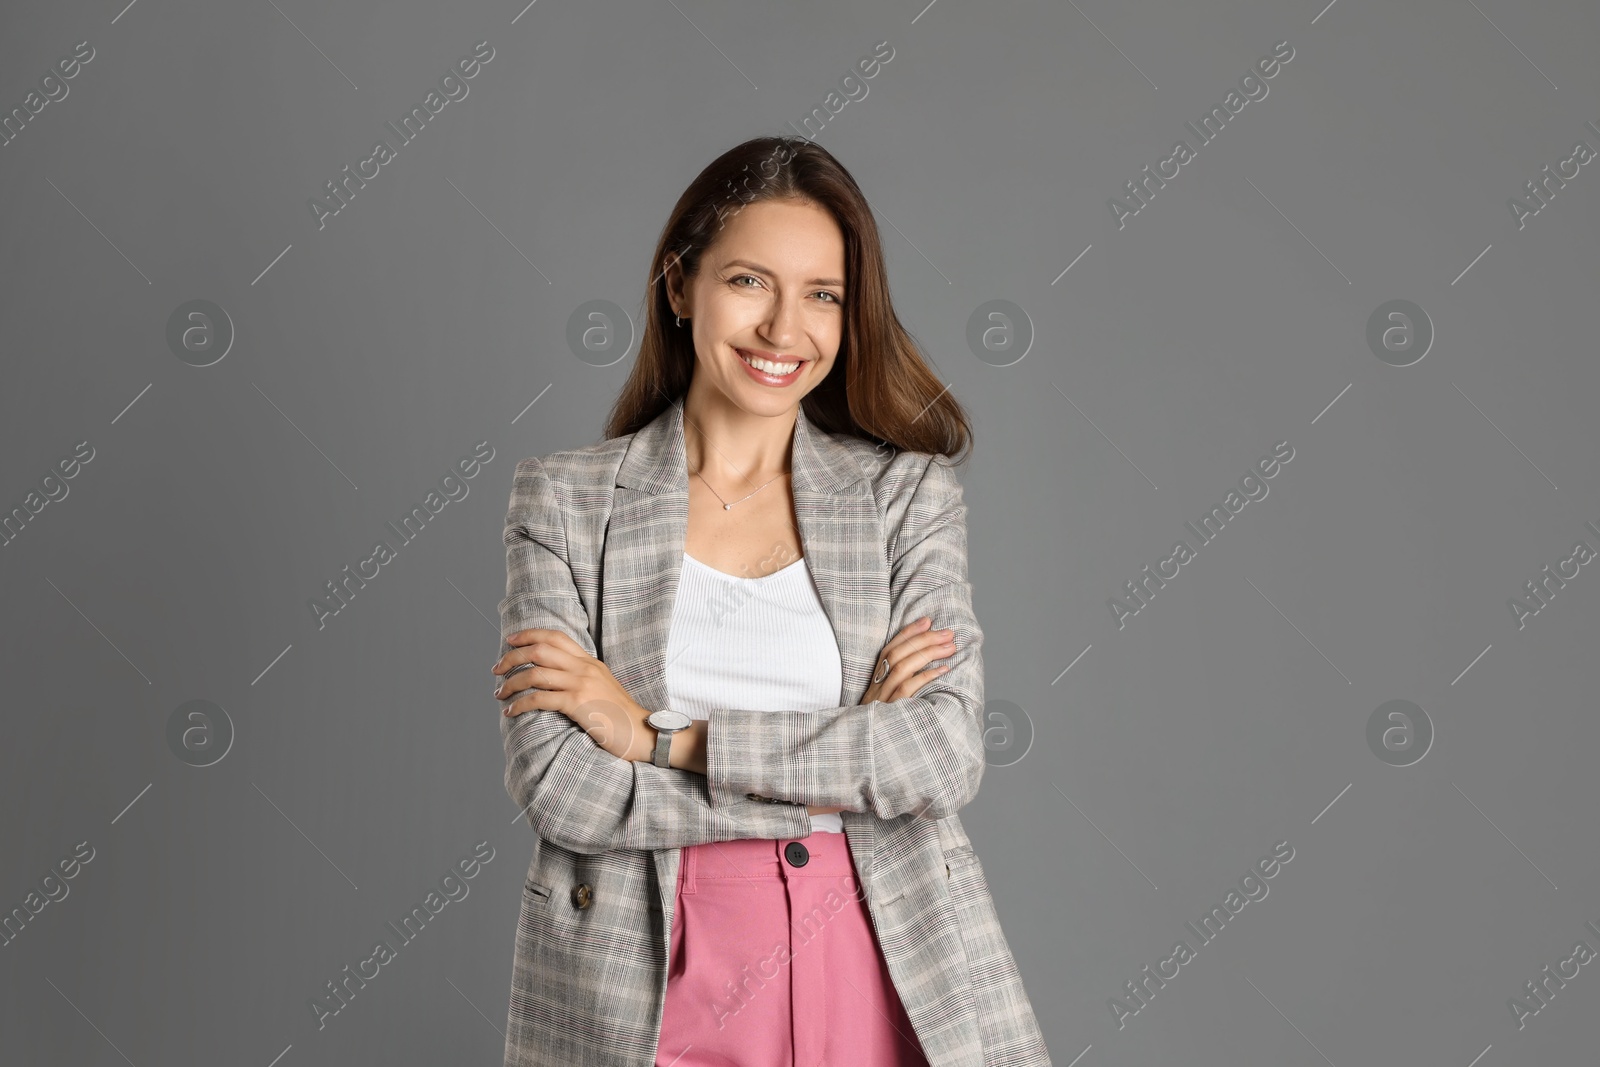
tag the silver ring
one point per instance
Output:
(883, 670)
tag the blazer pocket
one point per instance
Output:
(553, 979)
(956, 858)
(991, 968)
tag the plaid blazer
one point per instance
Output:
(594, 542)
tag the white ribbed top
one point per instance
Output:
(761, 644)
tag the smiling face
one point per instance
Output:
(770, 289)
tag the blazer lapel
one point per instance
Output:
(840, 536)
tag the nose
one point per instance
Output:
(782, 328)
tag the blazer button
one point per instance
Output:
(582, 895)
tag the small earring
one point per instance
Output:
(678, 320)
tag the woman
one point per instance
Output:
(747, 849)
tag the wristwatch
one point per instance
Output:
(666, 724)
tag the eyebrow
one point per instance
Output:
(767, 271)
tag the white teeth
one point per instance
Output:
(779, 369)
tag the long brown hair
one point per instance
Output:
(880, 387)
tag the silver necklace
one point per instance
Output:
(729, 507)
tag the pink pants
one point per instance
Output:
(777, 965)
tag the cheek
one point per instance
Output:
(831, 349)
(828, 334)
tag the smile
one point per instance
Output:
(769, 372)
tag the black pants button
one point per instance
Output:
(796, 854)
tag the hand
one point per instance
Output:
(824, 809)
(908, 652)
(564, 677)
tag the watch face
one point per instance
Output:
(669, 720)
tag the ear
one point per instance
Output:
(674, 278)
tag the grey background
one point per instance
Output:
(1228, 315)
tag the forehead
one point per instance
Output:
(784, 237)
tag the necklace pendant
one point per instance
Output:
(727, 507)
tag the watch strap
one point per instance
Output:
(663, 747)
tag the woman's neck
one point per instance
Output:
(727, 445)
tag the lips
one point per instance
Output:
(769, 356)
(767, 378)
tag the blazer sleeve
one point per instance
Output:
(922, 754)
(575, 793)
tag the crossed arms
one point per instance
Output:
(921, 754)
